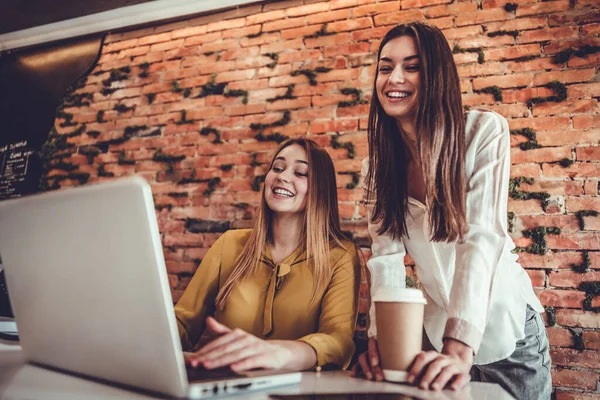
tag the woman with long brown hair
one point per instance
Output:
(283, 295)
(437, 188)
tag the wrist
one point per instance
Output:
(457, 348)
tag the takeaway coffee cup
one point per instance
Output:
(399, 319)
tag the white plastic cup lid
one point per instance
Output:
(400, 295)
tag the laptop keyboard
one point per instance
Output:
(201, 374)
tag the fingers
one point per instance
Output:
(419, 364)
(439, 372)
(216, 327)
(374, 360)
(242, 351)
(365, 365)
(260, 360)
(215, 348)
(460, 381)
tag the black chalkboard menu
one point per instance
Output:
(16, 161)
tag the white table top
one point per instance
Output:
(19, 381)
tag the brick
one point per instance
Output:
(574, 379)
(442, 23)
(301, 31)
(561, 298)
(265, 17)
(563, 137)
(283, 24)
(151, 39)
(560, 337)
(578, 17)
(338, 75)
(118, 46)
(226, 25)
(555, 47)
(565, 222)
(591, 29)
(590, 187)
(510, 110)
(344, 49)
(240, 53)
(289, 104)
(322, 18)
(575, 358)
(214, 67)
(591, 340)
(532, 170)
(577, 170)
(565, 107)
(537, 277)
(508, 53)
(482, 16)
(531, 65)
(504, 81)
(520, 24)
(571, 279)
(543, 34)
(398, 17)
(334, 126)
(336, 4)
(558, 260)
(219, 46)
(583, 319)
(580, 75)
(281, 46)
(242, 32)
(350, 25)
(262, 39)
(586, 121)
(588, 153)
(588, 61)
(485, 41)
(575, 204)
(547, 154)
(373, 9)
(235, 75)
(540, 123)
(457, 33)
(307, 9)
(525, 207)
(470, 99)
(575, 241)
(188, 31)
(542, 8)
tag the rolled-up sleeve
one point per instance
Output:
(477, 255)
(386, 265)
(198, 300)
(333, 342)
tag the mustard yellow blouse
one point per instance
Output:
(275, 302)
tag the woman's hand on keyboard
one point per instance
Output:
(239, 350)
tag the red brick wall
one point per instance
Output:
(148, 101)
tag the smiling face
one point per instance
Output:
(286, 183)
(399, 79)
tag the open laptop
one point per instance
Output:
(90, 291)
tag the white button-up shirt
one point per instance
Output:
(476, 290)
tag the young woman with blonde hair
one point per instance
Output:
(283, 295)
(437, 188)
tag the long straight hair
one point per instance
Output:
(320, 230)
(440, 124)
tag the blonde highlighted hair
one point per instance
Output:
(321, 227)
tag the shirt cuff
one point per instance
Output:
(463, 331)
(325, 356)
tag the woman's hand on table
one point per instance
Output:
(368, 363)
(239, 350)
(449, 369)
